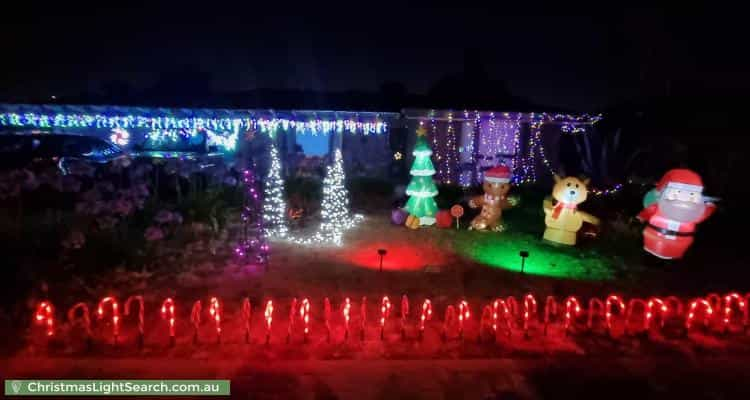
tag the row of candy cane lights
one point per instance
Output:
(500, 311)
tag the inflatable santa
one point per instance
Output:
(671, 220)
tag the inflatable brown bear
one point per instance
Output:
(494, 200)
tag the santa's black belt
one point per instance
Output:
(670, 232)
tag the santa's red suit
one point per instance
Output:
(664, 237)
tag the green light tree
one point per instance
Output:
(422, 189)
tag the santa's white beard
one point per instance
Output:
(682, 211)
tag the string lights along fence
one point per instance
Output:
(500, 317)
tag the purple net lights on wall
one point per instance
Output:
(253, 245)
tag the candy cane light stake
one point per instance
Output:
(167, 313)
(363, 318)
(448, 321)
(655, 305)
(611, 301)
(139, 299)
(246, 317)
(425, 316)
(463, 316)
(694, 305)
(346, 309)
(84, 320)
(550, 310)
(736, 298)
(595, 306)
(195, 319)
(304, 314)
(385, 311)
(45, 315)
(500, 308)
(327, 318)
(292, 316)
(529, 307)
(572, 310)
(268, 316)
(404, 315)
(214, 309)
(115, 315)
(633, 304)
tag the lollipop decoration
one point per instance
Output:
(457, 212)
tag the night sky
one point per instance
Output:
(582, 60)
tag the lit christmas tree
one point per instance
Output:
(274, 205)
(422, 189)
(334, 210)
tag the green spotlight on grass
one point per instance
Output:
(502, 251)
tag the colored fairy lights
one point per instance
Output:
(253, 240)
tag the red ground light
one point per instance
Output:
(400, 257)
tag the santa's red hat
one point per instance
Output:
(499, 174)
(682, 179)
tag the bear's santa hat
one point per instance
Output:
(681, 179)
(499, 174)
